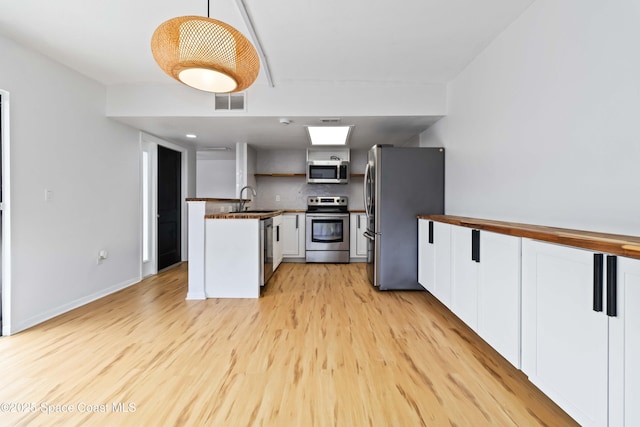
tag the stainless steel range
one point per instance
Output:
(327, 229)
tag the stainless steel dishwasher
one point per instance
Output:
(266, 250)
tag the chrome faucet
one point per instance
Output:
(242, 200)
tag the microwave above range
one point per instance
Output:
(327, 172)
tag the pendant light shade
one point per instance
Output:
(206, 54)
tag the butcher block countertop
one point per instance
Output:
(615, 244)
(212, 199)
(244, 215)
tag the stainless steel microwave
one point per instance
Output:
(328, 172)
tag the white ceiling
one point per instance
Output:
(341, 42)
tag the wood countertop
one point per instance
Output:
(211, 199)
(615, 244)
(244, 215)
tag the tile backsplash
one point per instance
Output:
(293, 191)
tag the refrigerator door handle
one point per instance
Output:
(365, 192)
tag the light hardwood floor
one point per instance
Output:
(319, 348)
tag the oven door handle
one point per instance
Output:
(325, 216)
(369, 235)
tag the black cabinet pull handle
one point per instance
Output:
(431, 232)
(597, 281)
(277, 233)
(475, 245)
(612, 285)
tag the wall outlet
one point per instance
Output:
(277, 198)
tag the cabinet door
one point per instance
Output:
(499, 294)
(292, 235)
(277, 241)
(624, 356)
(464, 276)
(564, 341)
(426, 255)
(434, 259)
(361, 241)
(442, 262)
(357, 242)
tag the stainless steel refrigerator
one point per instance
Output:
(399, 184)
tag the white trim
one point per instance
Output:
(7, 328)
(146, 138)
(150, 267)
(49, 314)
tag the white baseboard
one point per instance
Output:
(195, 296)
(19, 326)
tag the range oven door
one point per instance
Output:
(327, 232)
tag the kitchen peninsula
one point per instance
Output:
(224, 250)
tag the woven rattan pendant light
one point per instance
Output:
(205, 53)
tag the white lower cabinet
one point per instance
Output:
(568, 317)
(434, 259)
(564, 341)
(485, 283)
(357, 242)
(277, 241)
(624, 341)
(477, 275)
(499, 293)
(426, 255)
(292, 235)
(464, 276)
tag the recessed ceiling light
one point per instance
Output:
(328, 135)
(190, 135)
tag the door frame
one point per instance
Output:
(149, 143)
(6, 215)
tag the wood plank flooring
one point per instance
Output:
(319, 348)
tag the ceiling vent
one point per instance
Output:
(230, 102)
(329, 121)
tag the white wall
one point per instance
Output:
(216, 178)
(542, 126)
(149, 100)
(62, 141)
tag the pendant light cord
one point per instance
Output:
(208, 2)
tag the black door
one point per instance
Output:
(169, 203)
